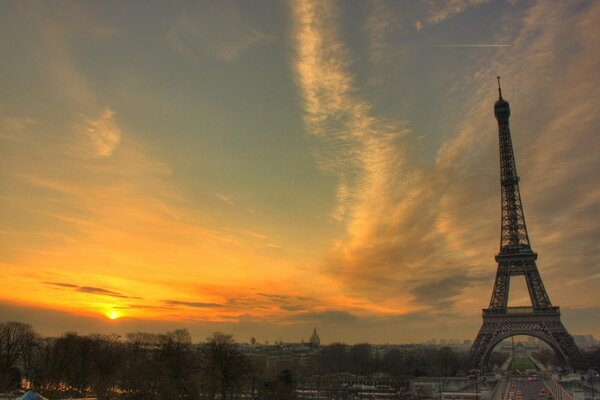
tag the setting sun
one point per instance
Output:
(112, 314)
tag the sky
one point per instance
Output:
(265, 168)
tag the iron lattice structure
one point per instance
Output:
(516, 258)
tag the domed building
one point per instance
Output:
(315, 341)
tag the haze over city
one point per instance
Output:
(263, 168)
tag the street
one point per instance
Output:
(523, 389)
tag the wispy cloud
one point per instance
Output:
(466, 45)
(103, 132)
(382, 25)
(226, 198)
(192, 304)
(389, 23)
(438, 10)
(215, 30)
(379, 195)
(100, 291)
(13, 128)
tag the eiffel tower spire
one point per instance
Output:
(516, 258)
(514, 238)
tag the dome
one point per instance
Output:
(315, 341)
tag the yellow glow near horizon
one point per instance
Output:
(112, 314)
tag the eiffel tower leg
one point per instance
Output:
(501, 286)
(537, 292)
(565, 342)
(480, 347)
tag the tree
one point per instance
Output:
(106, 360)
(13, 335)
(498, 358)
(28, 348)
(361, 358)
(140, 370)
(393, 362)
(224, 367)
(334, 358)
(546, 357)
(73, 355)
(283, 388)
(594, 360)
(177, 364)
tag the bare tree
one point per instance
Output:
(140, 371)
(224, 367)
(106, 360)
(12, 336)
(282, 388)
(28, 347)
(178, 365)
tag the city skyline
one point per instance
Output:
(264, 168)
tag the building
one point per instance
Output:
(315, 341)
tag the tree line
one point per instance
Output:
(138, 366)
(361, 359)
(169, 366)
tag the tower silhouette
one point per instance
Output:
(516, 258)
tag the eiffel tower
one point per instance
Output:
(542, 319)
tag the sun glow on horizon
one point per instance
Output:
(113, 314)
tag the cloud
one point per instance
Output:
(103, 132)
(438, 11)
(389, 23)
(383, 24)
(228, 199)
(100, 291)
(277, 297)
(71, 19)
(443, 292)
(91, 290)
(289, 303)
(61, 284)
(57, 30)
(386, 208)
(191, 304)
(13, 128)
(328, 316)
(215, 30)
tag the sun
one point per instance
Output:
(112, 314)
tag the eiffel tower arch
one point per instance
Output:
(494, 332)
(547, 328)
(516, 258)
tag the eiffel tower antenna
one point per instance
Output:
(499, 88)
(516, 258)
